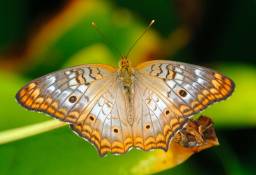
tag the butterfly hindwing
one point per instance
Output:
(105, 123)
(156, 119)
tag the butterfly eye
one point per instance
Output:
(72, 99)
(115, 130)
(182, 93)
(167, 112)
(147, 126)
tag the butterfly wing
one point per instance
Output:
(167, 93)
(65, 93)
(105, 123)
(156, 119)
(89, 98)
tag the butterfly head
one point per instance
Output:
(124, 63)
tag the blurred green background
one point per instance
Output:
(38, 37)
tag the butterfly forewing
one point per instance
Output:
(190, 88)
(66, 93)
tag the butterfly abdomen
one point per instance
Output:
(128, 92)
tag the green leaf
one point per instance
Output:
(60, 151)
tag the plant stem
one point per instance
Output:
(27, 131)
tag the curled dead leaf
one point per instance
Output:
(196, 136)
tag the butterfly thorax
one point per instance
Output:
(125, 72)
(126, 77)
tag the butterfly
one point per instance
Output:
(118, 109)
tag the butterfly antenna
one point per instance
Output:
(105, 38)
(136, 41)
